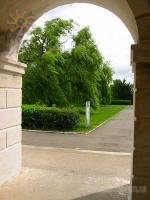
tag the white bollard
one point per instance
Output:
(87, 113)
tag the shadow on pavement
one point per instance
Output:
(120, 193)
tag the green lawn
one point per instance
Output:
(98, 117)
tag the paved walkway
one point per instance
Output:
(115, 135)
(61, 174)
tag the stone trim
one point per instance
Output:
(12, 66)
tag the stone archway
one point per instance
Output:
(136, 16)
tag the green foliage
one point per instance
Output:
(86, 63)
(42, 117)
(72, 118)
(121, 102)
(105, 79)
(43, 56)
(122, 90)
(54, 76)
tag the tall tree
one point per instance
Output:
(56, 76)
(43, 56)
(86, 65)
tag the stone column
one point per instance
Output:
(10, 118)
(141, 155)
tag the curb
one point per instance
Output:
(56, 132)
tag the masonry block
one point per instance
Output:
(2, 139)
(10, 80)
(10, 117)
(142, 79)
(10, 162)
(14, 98)
(2, 98)
(14, 135)
(142, 106)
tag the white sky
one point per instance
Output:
(109, 32)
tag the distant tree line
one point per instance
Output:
(121, 90)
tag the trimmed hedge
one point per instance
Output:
(45, 118)
(121, 102)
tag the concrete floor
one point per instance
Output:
(72, 167)
(64, 174)
(115, 135)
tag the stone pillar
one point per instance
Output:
(10, 118)
(141, 155)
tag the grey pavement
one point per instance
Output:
(115, 135)
(65, 174)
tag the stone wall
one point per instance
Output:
(10, 118)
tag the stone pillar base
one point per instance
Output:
(10, 162)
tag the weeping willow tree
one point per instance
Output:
(43, 56)
(55, 76)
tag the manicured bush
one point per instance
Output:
(121, 102)
(41, 117)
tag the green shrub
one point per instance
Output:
(41, 117)
(121, 102)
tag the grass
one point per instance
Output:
(98, 117)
